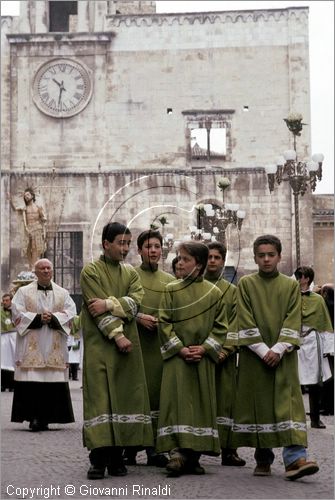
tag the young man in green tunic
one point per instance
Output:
(192, 329)
(153, 280)
(269, 410)
(226, 369)
(116, 402)
(317, 342)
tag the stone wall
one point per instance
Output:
(85, 202)
(323, 238)
(143, 65)
(125, 156)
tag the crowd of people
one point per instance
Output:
(180, 364)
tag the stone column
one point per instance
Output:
(83, 17)
(24, 22)
(41, 16)
(100, 13)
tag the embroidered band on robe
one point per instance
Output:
(121, 419)
(187, 429)
(131, 304)
(228, 422)
(213, 343)
(276, 427)
(231, 339)
(288, 335)
(170, 344)
(105, 324)
(249, 336)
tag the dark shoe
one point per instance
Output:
(158, 460)
(35, 425)
(129, 460)
(232, 460)
(129, 456)
(318, 425)
(195, 469)
(174, 474)
(300, 468)
(175, 466)
(117, 470)
(96, 472)
(262, 470)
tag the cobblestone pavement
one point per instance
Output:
(54, 464)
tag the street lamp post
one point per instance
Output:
(297, 173)
(213, 219)
(168, 240)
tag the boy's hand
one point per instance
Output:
(124, 344)
(97, 306)
(197, 351)
(149, 322)
(271, 359)
(192, 354)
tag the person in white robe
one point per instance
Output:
(42, 312)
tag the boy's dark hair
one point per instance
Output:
(220, 247)
(327, 292)
(173, 264)
(112, 229)
(7, 295)
(306, 272)
(146, 235)
(198, 250)
(267, 239)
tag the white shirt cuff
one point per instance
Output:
(281, 347)
(260, 349)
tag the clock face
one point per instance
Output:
(62, 88)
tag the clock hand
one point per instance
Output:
(57, 82)
(60, 93)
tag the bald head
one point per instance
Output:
(43, 271)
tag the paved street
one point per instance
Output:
(54, 464)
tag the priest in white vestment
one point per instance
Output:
(42, 312)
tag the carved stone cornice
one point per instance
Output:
(106, 171)
(45, 38)
(6, 20)
(323, 218)
(233, 16)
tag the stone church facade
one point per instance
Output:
(118, 142)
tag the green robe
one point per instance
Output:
(315, 313)
(269, 410)
(191, 313)
(226, 371)
(6, 320)
(153, 283)
(116, 402)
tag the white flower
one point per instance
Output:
(224, 182)
(294, 117)
(26, 275)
